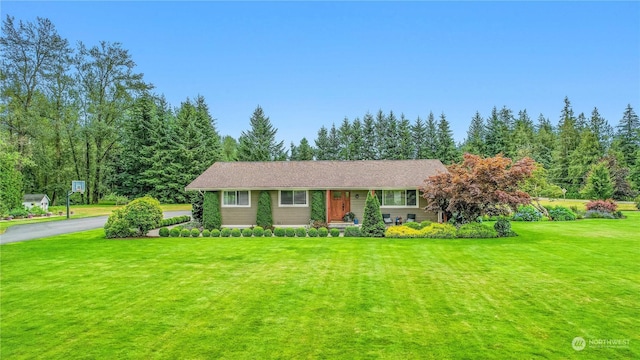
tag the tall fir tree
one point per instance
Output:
(369, 138)
(303, 152)
(628, 137)
(333, 152)
(344, 139)
(523, 136)
(474, 143)
(357, 140)
(418, 133)
(446, 146)
(497, 134)
(600, 127)
(322, 144)
(587, 153)
(405, 140)
(229, 148)
(381, 134)
(431, 140)
(544, 142)
(567, 141)
(259, 143)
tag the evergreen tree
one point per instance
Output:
(431, 139)
(10, 178)
(229, 148)
(211, 217)
(372, 223)
(264, 214)
(581, 122)
(446, 151)
(344, 140)
(585, 155)
(523, 136)
(322, 144)
(369, 138)
(474, 143)
(544, 142)
(419, 134)
(259, 143)
(357, 140)
(381, 134)
(628, 137)
(622, 188)
(567, 142)
(600, 127)
(405, 140)
(497, 133)
(302, 152)
(599, 185)
(333, 152)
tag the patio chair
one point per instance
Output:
(411, 218)
(387, 219)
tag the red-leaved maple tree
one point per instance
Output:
(478, 186)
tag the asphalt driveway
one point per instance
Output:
(51, 228)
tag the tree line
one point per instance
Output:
(84, 112)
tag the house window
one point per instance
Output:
(294, 198)
(236, 198)
(398, 198)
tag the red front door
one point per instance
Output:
(339, 204)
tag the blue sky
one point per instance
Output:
(310, 64)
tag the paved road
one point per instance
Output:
(51, 228)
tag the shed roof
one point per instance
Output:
(34, 197)
(361, 174)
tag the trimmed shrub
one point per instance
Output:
(290, 232)
(301, 232)
(236, 232)
(438, 231)
(352, 231)
(18, 212)
(527, 213)
(279, 232)
(246, 232)
(313, 232)
(264, 216)
(413, 225)
(206, 233)
(318, 208)
(226, 232)
(258, 231)
(197, 203)
(323, 232)
(503, 227)
(195, 232)
(163, 232)
(211, 218)
(608, 206)
(597, 214)
(117, 225)
(215, 233)
(561, 213)
(175, 232)
(268, 233)
(334, 232)
(185, 233)
(37, 210)
(143, 214)
(401, 232)
(372, 223)
(476, 230)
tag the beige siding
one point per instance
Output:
(233, 216)
(357, 207)
(246, 216)
(289, 215)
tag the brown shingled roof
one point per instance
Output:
(362, 174)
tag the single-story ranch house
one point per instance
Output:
(345, 185)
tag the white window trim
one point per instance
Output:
(222, 204)
(306, 194)
(417, 205)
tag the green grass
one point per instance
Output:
(81, 211)
(81, 296)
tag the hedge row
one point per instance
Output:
(175, 220)
(502, 228)
(258, 231)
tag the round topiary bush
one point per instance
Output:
(195, 232)
(527, 213)
(236, 232)
(323, 232)
(503, 227)
(561, 213)
(175, 232)
(313, 232)
(185, 233)
(301, 232)
(226, 232)
(290, 232)
(258, 231)
(354, 231)
(117, 225)
(279, 232)
(215, 233)
(206, 233)
(143, 214)
(268, 233)
(247, 232)
(334, 232)
(163, 232)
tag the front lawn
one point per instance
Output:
(81, 296)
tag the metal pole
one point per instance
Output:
(68, 195)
